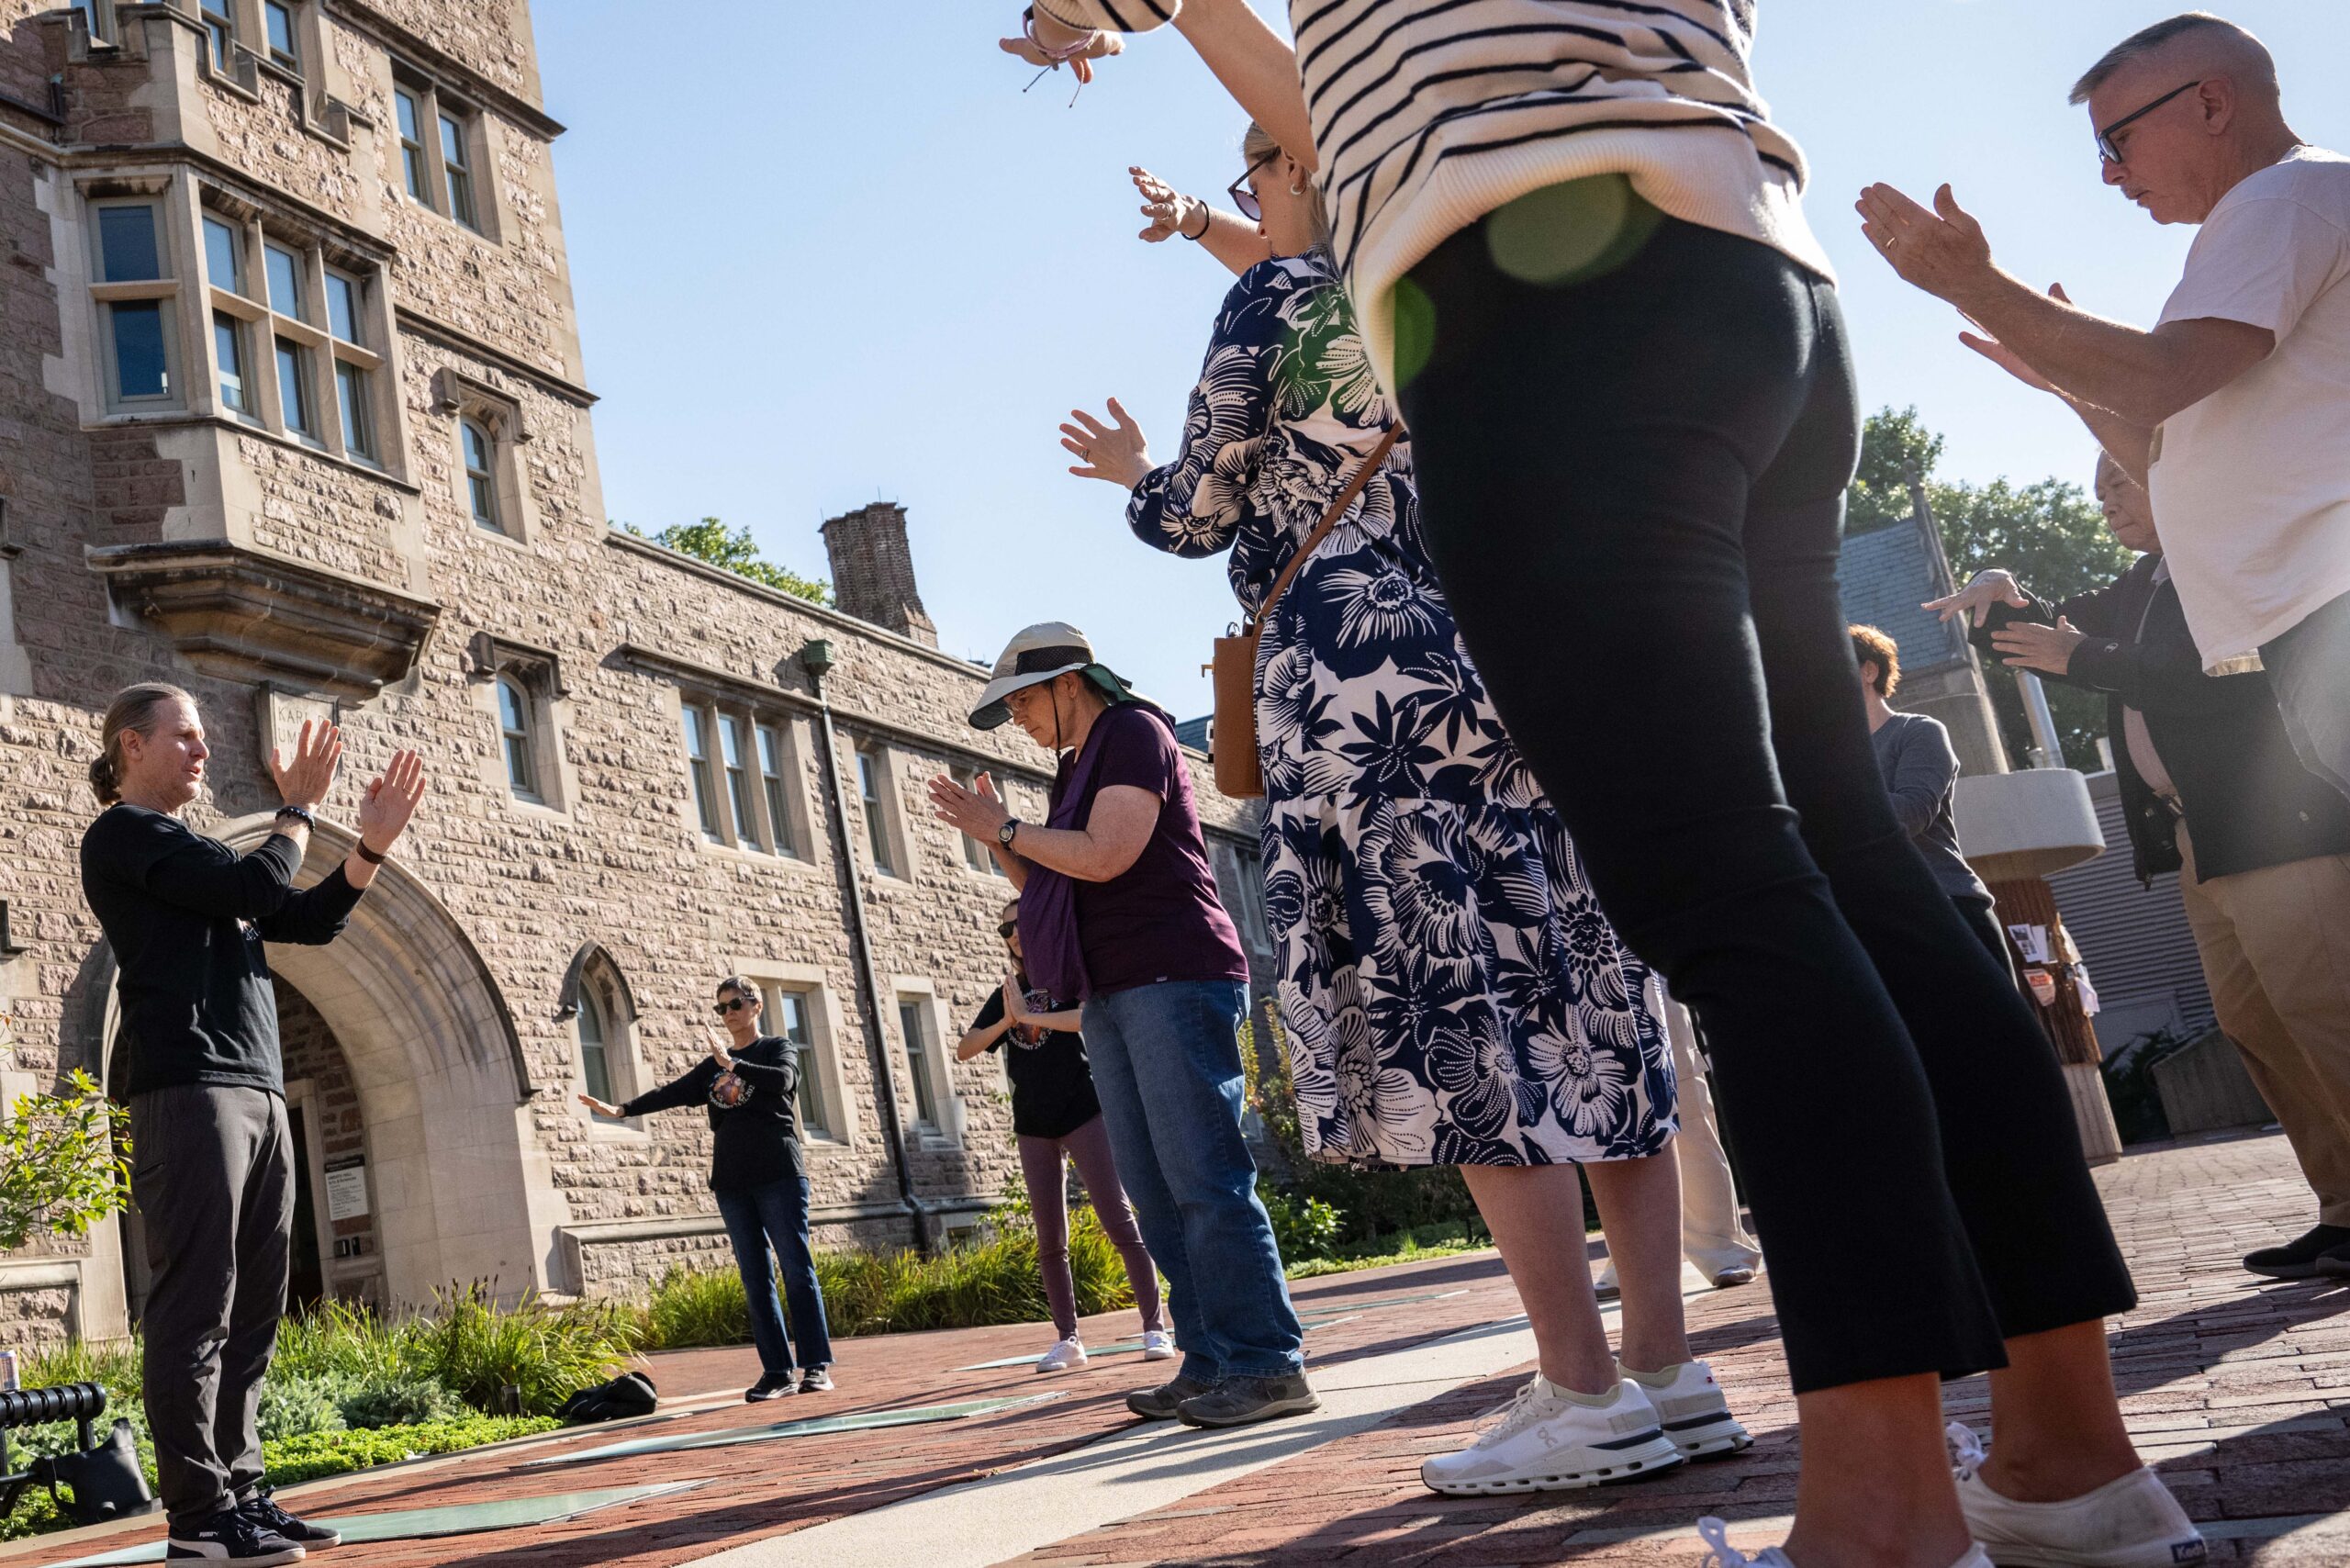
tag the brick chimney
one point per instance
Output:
(873, 571)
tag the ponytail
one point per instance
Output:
(134, 709)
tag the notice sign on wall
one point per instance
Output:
(347, 1190)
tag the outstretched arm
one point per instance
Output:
(1228, 236)
(1255, 64)
(2137, 377)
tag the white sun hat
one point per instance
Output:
(1035, 656)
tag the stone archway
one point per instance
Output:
(460, 1189)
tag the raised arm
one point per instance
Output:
(1168, 212)
(2124, 380)
(1255, 64)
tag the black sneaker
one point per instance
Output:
(2323, 1250)
(771, 1385)
(1239, 1401)
(263, 1510)
(816, 1380)
(230, 1535)
(1159, 1404)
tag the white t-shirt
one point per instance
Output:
(2251, 486)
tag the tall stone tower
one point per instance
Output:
(873, 571)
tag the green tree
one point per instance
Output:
(2051, 535)
(64, 1162)
(712, 540)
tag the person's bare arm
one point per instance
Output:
(1114, 836)
(1168, 212)
(2138, 378)
(1256, 65)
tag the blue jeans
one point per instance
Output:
(1166, 1067)
(777, 1213)
(2309, 669)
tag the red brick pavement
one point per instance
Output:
(2241, 1392)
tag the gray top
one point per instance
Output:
(1921, 770)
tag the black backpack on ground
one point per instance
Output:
(630, 1394)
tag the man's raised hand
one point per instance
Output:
(317, 751)
(1943, 252)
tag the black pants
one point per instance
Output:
(1983, 919)
(212, 1172)
(1633, 489)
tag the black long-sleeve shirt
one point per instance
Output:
(755, 1141)
(188, 918)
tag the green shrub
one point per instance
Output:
(346, 1339)
(692, 1307)
(298, 1407)
(477, 1349)
(290, 1459)
(403, 1400)
(1304, 1227)
(112, 1363)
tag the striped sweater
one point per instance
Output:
(1429, 114)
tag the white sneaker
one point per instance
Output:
(1543, 1443)
(1066, 1356)
(1158, 1345)
(2133, 1522)
(1691, 1409)
(1720, 1553)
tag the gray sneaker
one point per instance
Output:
(1238, 1401)
(1160, 1404)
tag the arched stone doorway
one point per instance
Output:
(457, 1187)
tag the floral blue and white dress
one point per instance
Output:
(1453, 994)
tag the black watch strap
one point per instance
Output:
(1003, 835)
(301, 812)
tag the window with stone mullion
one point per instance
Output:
(134, 287)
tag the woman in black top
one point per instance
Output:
(1053, 1112)
(748, 1083)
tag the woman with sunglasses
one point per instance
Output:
(1054, 1113)
(749, 1085)
(1576, 239)
(1453, 993)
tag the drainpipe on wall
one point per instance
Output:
(816, 659)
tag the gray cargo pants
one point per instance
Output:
(212, 1172)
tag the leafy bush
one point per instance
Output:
(2129, 1075)
(1304, 1228)
(403, 1400)
(112, 1363)
(477, 1349)
(64, 1161)
(296, 1406)
(698, 1307)
(332, 1453)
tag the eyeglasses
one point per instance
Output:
(1243, 197)
(2104, 148)
(723, 1008)
(1007, 929)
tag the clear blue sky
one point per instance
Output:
(834, 254)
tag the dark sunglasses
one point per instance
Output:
(1243, 197)
(723, 1008)
(1007, 928)
(2104, 148)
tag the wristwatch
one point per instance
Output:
(301, 812)
(1003, 835)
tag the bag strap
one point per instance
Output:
(1337, 509)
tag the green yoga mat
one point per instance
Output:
(416, 1524)
(859, 1422)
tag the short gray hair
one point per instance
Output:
(2148, 40)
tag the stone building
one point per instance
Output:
(294, 414)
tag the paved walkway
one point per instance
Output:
(2239, 1391)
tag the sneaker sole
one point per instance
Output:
(206, 1551)
(1158, 1355)
(2150, 1555)
(1708, 1437)
(1074, 1366)
(1273, 1411)
(1652, 1454)
(2284, 1271)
